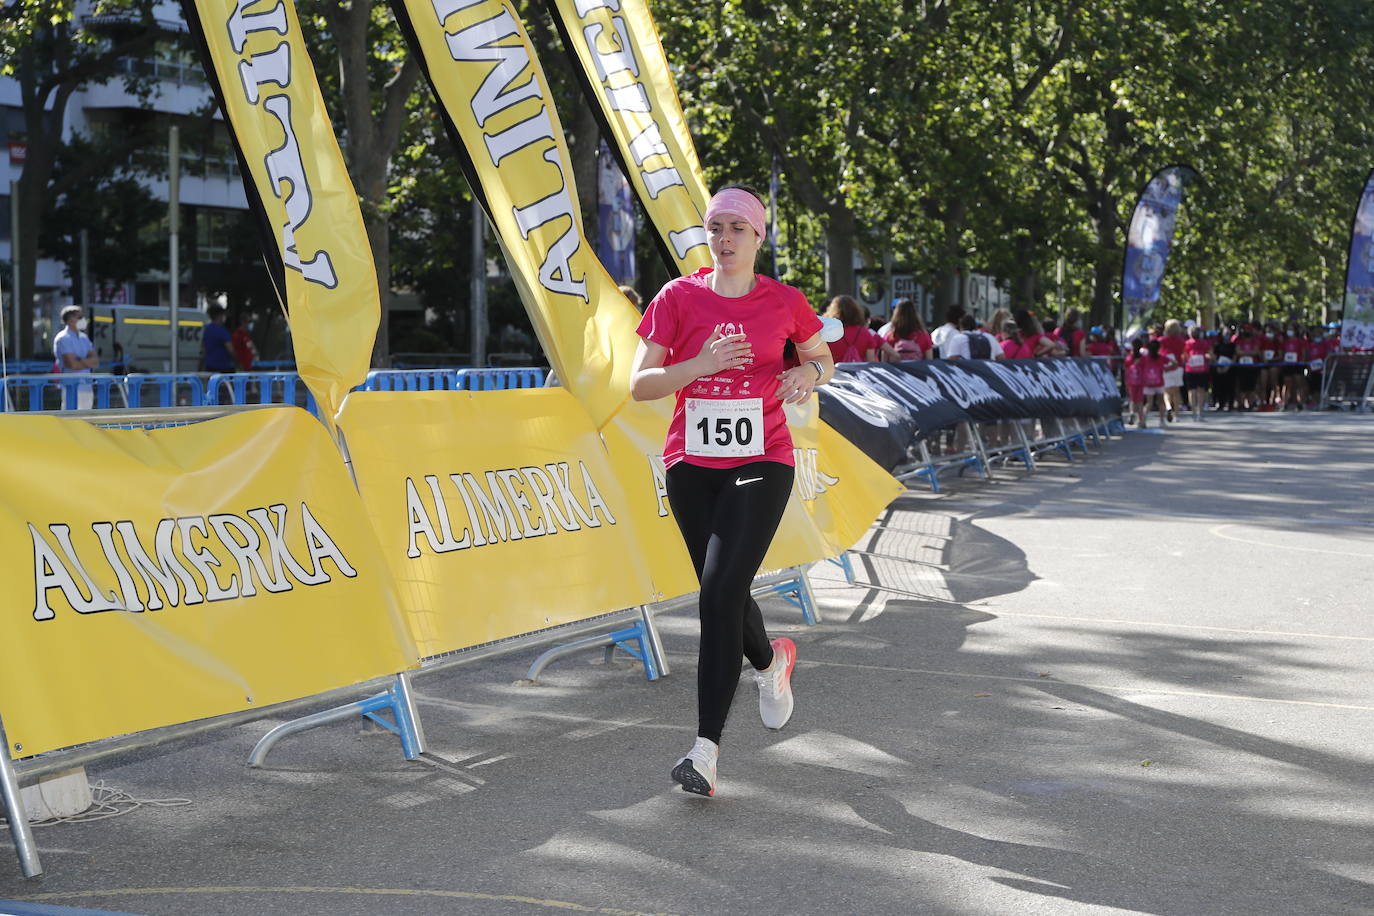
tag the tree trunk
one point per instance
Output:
(839, 250)
(374, 130)
(379, 240)
(1106, 269)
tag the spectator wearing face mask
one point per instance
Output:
(73, 351)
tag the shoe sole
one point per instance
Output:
(686, 775)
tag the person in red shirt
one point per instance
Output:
(1321, 346)
(1135, 391)
(858, 344)
(1293, 349)
(714, 340)
(1072, 335)
(1270, 340)
(1030, 340)
(907, 335)
(1248, 349)
(1153, 368)
(1197, 361)
(1172, 343)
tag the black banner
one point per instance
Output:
(884, 407)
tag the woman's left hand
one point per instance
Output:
(796, 384)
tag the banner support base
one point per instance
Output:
(399, 700)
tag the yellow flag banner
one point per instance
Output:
(624, 72)
(499, 513)
(499, 111)
(506, 512)
(314, 241)
(230, 568)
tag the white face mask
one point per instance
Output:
(81, 324)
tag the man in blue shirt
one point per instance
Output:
(74, 352)
(219, 353)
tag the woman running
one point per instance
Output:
(715, 339)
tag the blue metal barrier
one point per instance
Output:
(501, 379)
(170, 389)
(260, 388)
(413, 380)
(453, 379)
(60, 391)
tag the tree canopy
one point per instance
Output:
(999, 137)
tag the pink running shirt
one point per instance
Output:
(1195, 355)
(725, 406)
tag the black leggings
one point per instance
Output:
(727, 517)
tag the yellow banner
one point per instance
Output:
(165, 576)
(297, 180)
(496, 101)
(501, 513)
(498, 512)
(616, 47)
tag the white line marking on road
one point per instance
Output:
(1217, 531)
(1070, 511)
(1106, 688)
(1176, 626)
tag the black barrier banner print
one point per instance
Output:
(884, 408)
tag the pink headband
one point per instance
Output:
(739, 203)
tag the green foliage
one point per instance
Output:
(116, 209)
(1001, 136)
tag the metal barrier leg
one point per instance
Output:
(846, 565)
(398, 700)
(930, 467)
(15, 813)
(797, 592)
(655, 641)
(634, 639)
(409, 728)
(980, 449)
(1027, 454)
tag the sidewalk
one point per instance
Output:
(1134, 683)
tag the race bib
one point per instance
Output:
(1246, 360)
(725, 428)
(1197, 359)
(1268, 355)
(1317, 365)
(1290, 357)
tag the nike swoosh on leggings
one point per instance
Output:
(740, 483)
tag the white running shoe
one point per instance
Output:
(775, 684)
(696, 772)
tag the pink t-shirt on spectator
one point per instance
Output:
(1298, 346)
(1173, 346)
(1151, 371)
(855, 337)
(1195, 355)
(682, 318)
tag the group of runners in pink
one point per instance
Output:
(1272, 367)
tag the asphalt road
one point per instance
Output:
(1137, 683)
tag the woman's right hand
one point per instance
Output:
(723, 352)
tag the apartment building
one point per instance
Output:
(219, 241)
